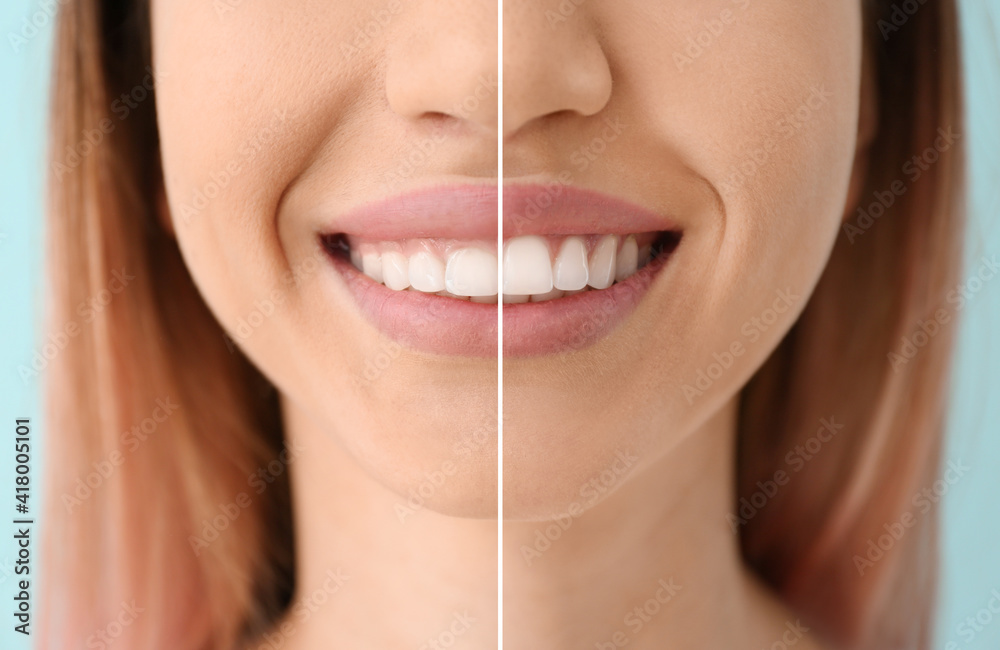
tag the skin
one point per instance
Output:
(349, 121)
(687, 124)
(350, 118)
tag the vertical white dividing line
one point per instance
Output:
(500, 325)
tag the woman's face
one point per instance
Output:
(732, 124)
(283, 122)
(735, 123)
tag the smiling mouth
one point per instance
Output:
(424, 268)
(536, 268)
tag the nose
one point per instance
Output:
(445, 64)
(552, 63)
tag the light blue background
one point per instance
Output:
(971, 516)
(24, 80)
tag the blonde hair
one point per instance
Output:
(144, 498)
(129, 538)
(871, 352)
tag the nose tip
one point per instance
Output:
(584, 90)
(550, 69)
(455, 76)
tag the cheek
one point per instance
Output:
(240, 108)
(761, 99)
(764, 107)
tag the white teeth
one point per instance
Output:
(395, 270)
(602, 263)
(628, 259)
(469, 272)
(552, 295)
(570, 270)
(371, 265)
(472, 272)
(426, 272)
(527, 266)
(531, 272)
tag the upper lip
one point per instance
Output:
(460, 211)
(469, 211)
(558, 209)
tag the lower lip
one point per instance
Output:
(424, 322)
(578, 321)
(445, 326)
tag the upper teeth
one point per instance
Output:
(527, 268)
(467, 271)
(531, 273)
(471, 272)
(534, 268)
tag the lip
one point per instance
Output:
(416, 320)
(578, 321)
(557, 209)
(451, 211)
(421, 321)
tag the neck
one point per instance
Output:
(365, 578)
(654, 565)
